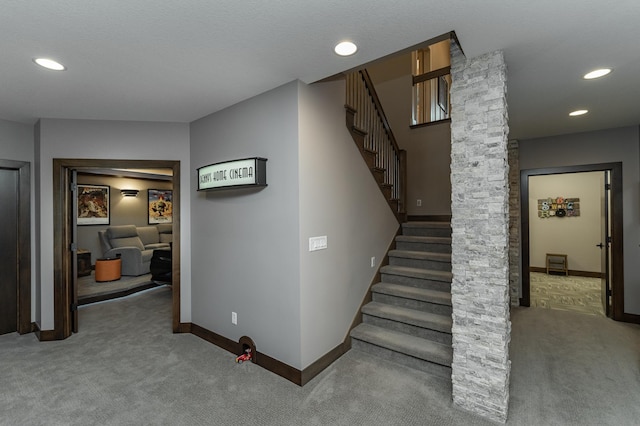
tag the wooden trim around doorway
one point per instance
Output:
(617, 258)
(62, 265)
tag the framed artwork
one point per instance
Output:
(93, 205)
(160, 206)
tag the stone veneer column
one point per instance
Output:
(514, 222)
(480, 234)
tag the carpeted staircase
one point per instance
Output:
(408, 320)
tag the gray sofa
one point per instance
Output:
(135, 245)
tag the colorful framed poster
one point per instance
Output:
(160, 207)
(93, 205)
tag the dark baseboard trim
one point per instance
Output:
(116, 295)
(633, 318)
(286, 371)
(216, 339)
(429, 218)
(264, 361)
(280, 368)
(184, 327)
(326, 360)
(571, 272)
(46, 335)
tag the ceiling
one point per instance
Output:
(164, 60)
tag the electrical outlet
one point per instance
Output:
(234, 318)
(419, 202)
(373, 261)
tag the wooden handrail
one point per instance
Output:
(372, 134)
(431, 75)
(376, 101)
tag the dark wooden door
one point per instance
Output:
(8, 251)
(605, 246)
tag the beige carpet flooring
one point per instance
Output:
(567, 293)
(88, 287)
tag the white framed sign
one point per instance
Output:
(244, 173)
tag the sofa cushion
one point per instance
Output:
(156, 246)
(127, 242)
(121, 231)
(148, 235)
(165, 230)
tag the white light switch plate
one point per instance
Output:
(317, 243)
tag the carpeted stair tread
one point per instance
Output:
(419, 239)
(427, 274)
(426, 224)
(409, 316)
(405, 344)
(422, 255)
(416, 293)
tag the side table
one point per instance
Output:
(108, 269)
(84, 262)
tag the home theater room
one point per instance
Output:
(124, 232)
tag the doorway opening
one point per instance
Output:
(65, 266)
(610, 253)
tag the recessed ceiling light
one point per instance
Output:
(346, 48)
(578, 112)
(50, 64)
(597, 73)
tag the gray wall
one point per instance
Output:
(428, 148)
(574, 236)
(250, 249)
(16, 143)
(123, 210)
(340, 199)
(108, 140)
(605, 146)
(245, 243)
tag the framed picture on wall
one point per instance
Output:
(93, 205)
(160, 206)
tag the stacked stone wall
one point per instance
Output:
(514, 222)
(480, 234)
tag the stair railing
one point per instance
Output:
(370, 120)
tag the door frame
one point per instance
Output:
(62, 257)
(617, 247)
(24, 242)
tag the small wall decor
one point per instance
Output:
(93, 205)
(558, 207)
(160, 206)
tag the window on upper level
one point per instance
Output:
(430, 68)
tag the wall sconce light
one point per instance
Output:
(129, 192)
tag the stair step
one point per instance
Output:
(419, 243)
(413, 293)
(432, 229)
(386, 190)
(417, 277)
(425, 274)
(421, 319)
(420, 259)
(405, 349)
(378, 174)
